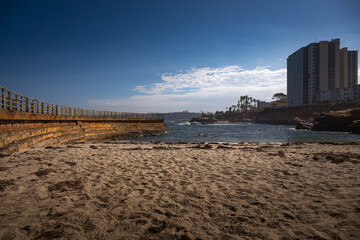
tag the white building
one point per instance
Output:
(350, 94)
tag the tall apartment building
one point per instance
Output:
(319, 67)
(352, 68)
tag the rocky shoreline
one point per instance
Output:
(339, 121)
(340, 118)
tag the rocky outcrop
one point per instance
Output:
(331, 123)
(339, 121)
(355, 127)
(289, 115)
(303, 124)
(204, 120)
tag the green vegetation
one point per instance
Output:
(245, 103)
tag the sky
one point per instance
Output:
(161, 56)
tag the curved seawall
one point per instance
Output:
(20, 130)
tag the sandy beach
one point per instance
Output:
(181, 191)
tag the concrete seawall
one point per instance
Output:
(20, 130)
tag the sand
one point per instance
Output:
(181, 191)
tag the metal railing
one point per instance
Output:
(16, 102)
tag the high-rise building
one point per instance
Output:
(318, 67)
(352, 68)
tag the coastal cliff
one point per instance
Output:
(290, 115)
(321, 117)
(338, 121)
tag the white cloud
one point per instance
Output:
(207, 89)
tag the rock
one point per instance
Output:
(332, 123)
(355, 127)
(339, 121)
(204, 120)
(302, 124)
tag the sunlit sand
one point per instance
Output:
(181, 191)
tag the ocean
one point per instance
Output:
(245, 132)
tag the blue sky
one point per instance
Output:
(161, 56)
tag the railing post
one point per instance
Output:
(9, 100)
(23, 104)
(27, 104)
(16, 102)
(20, 103)
(37, 106)
(2, 98)
(32, 105)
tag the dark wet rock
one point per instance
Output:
(337, 121)
(355, 127)
(204, 120)
(332, 123)
(303, 124)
